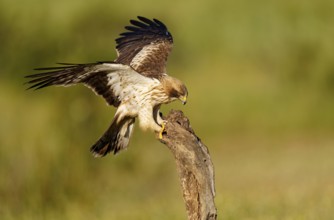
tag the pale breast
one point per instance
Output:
(138, 95)
(152, 98)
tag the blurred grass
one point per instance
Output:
(260, 76)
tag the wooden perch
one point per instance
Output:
(194, 167)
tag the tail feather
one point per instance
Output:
(116, 138)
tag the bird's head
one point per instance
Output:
(175, 89)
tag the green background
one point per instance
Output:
(260, 76)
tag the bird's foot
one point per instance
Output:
(163, 124)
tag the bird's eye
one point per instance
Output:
(173, 93)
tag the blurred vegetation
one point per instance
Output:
(260, 76)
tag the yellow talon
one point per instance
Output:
(162, 130)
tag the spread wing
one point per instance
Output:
(145, 47)
(104, 79)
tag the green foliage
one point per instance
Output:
(260, 76)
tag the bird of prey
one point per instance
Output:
(136, 82)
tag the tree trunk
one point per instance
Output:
(194, 166)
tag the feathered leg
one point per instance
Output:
(157, 115)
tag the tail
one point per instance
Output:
(116, 138)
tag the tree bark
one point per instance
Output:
(194, 166)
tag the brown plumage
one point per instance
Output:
(145, 47)
(136, 82)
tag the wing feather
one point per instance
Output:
(145, 47)
(96, 76)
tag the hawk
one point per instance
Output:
(136, 82)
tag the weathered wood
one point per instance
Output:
(194, 166)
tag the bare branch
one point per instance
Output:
(194, 166)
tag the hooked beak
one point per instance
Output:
(183, 99)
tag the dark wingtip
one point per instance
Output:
(159, 23)
(29, 82)
(143, 26)
(144, 19)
